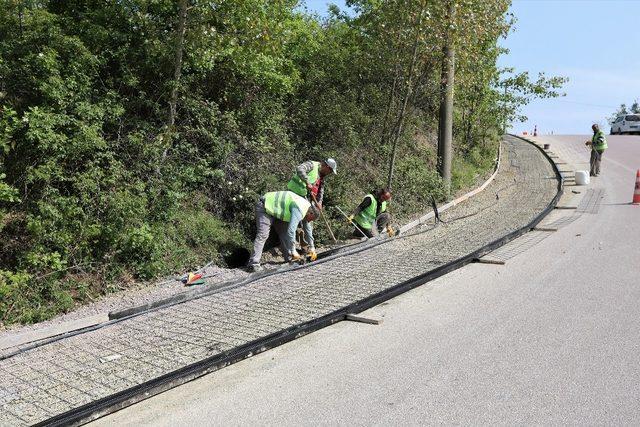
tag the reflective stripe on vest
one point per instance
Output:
(299, 187)
(278, 204)
(367, 217)
(597, 145)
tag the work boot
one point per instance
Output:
(254, 268)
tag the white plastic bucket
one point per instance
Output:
(582, 178)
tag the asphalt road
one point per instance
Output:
(551, 337)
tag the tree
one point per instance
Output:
(519, 90)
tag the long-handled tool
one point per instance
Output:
(351, 222)
(324, 218)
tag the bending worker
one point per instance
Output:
(371, 215)
(598, 144)
(308, 182)
(284, 210)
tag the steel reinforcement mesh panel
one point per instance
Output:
(58, 377)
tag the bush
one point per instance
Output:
(194, 237)
(467, 169)
(23, 299)
(98, 188)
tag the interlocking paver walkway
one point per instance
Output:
(57, 377)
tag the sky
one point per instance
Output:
(595, 43)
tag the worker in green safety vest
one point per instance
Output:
(371, 216)
(283, 210)
(598, 144)
(308, 181)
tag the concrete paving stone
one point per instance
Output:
(114, 382)
(84, 384)
(27, 412)
(75, 398)
(8, 419)
(56, 406)
(99, 391)
(58, 390)
(8, 381)
(29, 392)
(166, 339)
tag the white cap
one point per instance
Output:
(332, 164)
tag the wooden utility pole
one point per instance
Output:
(445, 126)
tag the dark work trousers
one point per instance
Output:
(380, 224)
(596, 158)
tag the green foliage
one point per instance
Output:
(22, 300)
(98, 186)
(518, 90)
(195, 236)
(7, 193)
(419, 182)
(471, 168)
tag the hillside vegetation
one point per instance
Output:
(136, 135)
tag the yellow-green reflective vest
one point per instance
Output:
(299, 187)
(366, 217)
(599, 142)
(278, 204)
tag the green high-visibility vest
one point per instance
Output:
(298, 186)
(278, 204)
(367, 217)
(599, 142)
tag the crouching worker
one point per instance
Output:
(371, 215)
(283, 210)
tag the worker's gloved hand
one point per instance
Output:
(313, 255)
(295, 256)
(390, 231)
(350, 219)
(319, 205)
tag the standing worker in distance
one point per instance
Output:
(284, 210)
(308, 181)
(598, 144)
(371, 215)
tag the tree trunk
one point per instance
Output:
(177, 73)
(504, 121)
(407, 95)
(392, 96)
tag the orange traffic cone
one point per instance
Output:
(636, 192)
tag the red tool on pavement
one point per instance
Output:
(194, 279)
